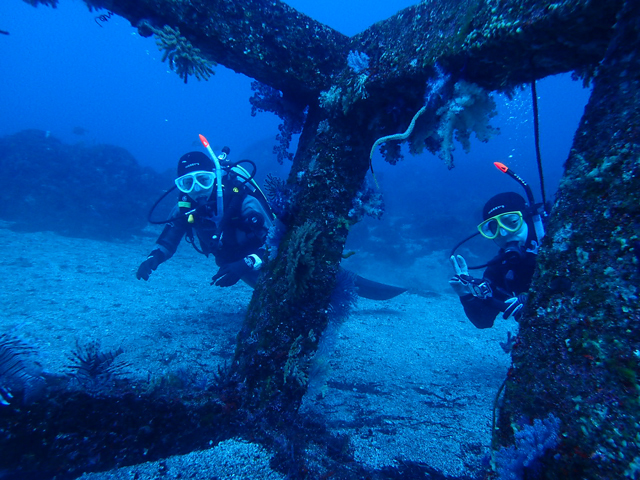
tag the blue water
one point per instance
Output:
(62, 69)
(90, 81)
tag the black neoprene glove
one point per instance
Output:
(230, 273)
(154, 259)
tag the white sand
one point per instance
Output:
(411, 379)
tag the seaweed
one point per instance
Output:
(300, 259)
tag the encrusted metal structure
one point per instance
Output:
(579, 345)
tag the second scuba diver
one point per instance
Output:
(508, 221)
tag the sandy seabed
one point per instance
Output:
(410, 378)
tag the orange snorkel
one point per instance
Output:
(219, 204)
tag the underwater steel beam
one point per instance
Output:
(264, 39)
(498, 45)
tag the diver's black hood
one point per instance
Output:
(193, 162)
(504, 202)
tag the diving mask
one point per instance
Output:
(511, 222)
(201, 178)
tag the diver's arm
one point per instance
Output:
(171, 236)
(166, 246)
(258, 221)
(163, 251)
(169, 240)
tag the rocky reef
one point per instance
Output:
(95, 191)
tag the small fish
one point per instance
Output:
(79, 131)
(3, 32)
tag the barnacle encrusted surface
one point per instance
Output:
(300, 259)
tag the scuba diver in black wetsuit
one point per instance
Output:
(221, 203)
(228, 213)
(507, 221)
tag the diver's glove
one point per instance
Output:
(461, 287)
(154, 259)
(230, 273)
(515, 306)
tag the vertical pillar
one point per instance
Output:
(578, 354)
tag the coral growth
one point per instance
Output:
(358, 61)
(269, 99)
(337, 99)
(366, 202)
(332, 99)
(300, 258)
(522, 460)
(354, 79)
(296, 367)
(274, 236)
(468, 111)
(454, 113)
(182, 56)
(279, 197)
(437, 90)
(398, 137)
